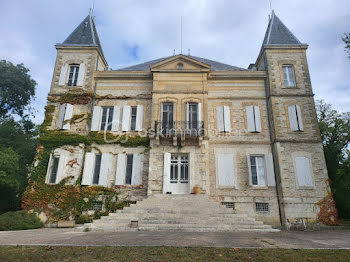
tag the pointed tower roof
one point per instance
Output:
(278, 34)
(84, 35)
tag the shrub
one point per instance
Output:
(19, 220)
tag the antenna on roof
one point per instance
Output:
(92, 8)
(181, 34)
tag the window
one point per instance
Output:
(133, 118)
(107, 117)
(288, 76)
(128, 174)
(65, 115)
(257, 170)
(303, 171)
(262, 207)
(225, 170)
(167, 117)
(295, 118)
(96, 205)
(229, 205)
(253, 119)
(97, 168)
(73, 74)
(179, 169)
(54, 169)
(223, 120)
(192, 115)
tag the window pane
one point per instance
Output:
(70, 78)
(133, 118)
(76, 75)
(97, 170)
(261, 170)
(54, 170)
(110, 117)
(253, 170)
(104, 118)
(129, 160)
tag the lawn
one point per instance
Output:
(139, 254)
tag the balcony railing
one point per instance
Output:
(180, 128)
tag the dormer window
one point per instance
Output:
(73, 74)
(288, 76)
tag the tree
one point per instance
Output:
(17, 89)
(335, 134)
(346, 40)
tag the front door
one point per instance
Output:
(179, 174)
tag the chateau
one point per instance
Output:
(247, 139)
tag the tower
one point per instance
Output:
(300, 166)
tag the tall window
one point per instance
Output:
(97, 169)
(288, 76)
(73, 74)
(192, 115)
(54, 170)
(167, 116)
(257, 168)
(107, 116)
(128, 174)
(133, 118)
(179, 169)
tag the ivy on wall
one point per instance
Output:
(328, 214)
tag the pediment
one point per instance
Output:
(180, 63)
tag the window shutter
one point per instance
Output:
(105, 163)
(220, 118)
(126, 118)
(136, 178)
(225, 170)
(270, 173)
(49, 167)
(250, 118)
(199, 114)
(95, 118)
(249, 170)
(166, 174)
(121, 168)
(300, 118)
(63, 75)
(227, 120)
(89, 166)
(303, 171)
(116, 118)
(80, 81)
(139, 118)
(61, 165)
(257, 119)
(67, 116)
(61, 115)
(293, 118)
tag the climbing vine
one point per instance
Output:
(328, 214)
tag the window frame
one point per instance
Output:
(106, 125)
(132, 118)
(73, 74)
(97, 171)
(128, 168)
(54, 169)
(293, 78)
(181, 164)
(258, 177)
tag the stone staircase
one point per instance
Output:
(192, 213)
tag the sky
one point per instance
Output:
(134, 31)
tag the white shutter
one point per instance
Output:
(67, 116)
(61, 165)
(139, 118)
(80, 81)
(303, 170)
(61, 115)
(227, 120)
(63, 75)
(166, 172)
(292, 118)
(95, 121)
(300, 119)
(225, 170)
(89, 165)
(121, 168)
(126, 118)
(116, 118)
(250, 118)
(257, 119)
(220, 118)
(270, 173)
(199, 115)
(104, 170)
(136, 178)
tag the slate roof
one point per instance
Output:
(278, 34)
(84, 35)
(215, 66)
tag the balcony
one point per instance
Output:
(179, 129)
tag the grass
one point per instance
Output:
(139, 254)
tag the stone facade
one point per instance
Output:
(183, 80)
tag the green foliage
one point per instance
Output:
(19, 220)
(335, 134)
(49, 109)
(17, 89)
(346, 40)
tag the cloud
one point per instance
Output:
(133, 31)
